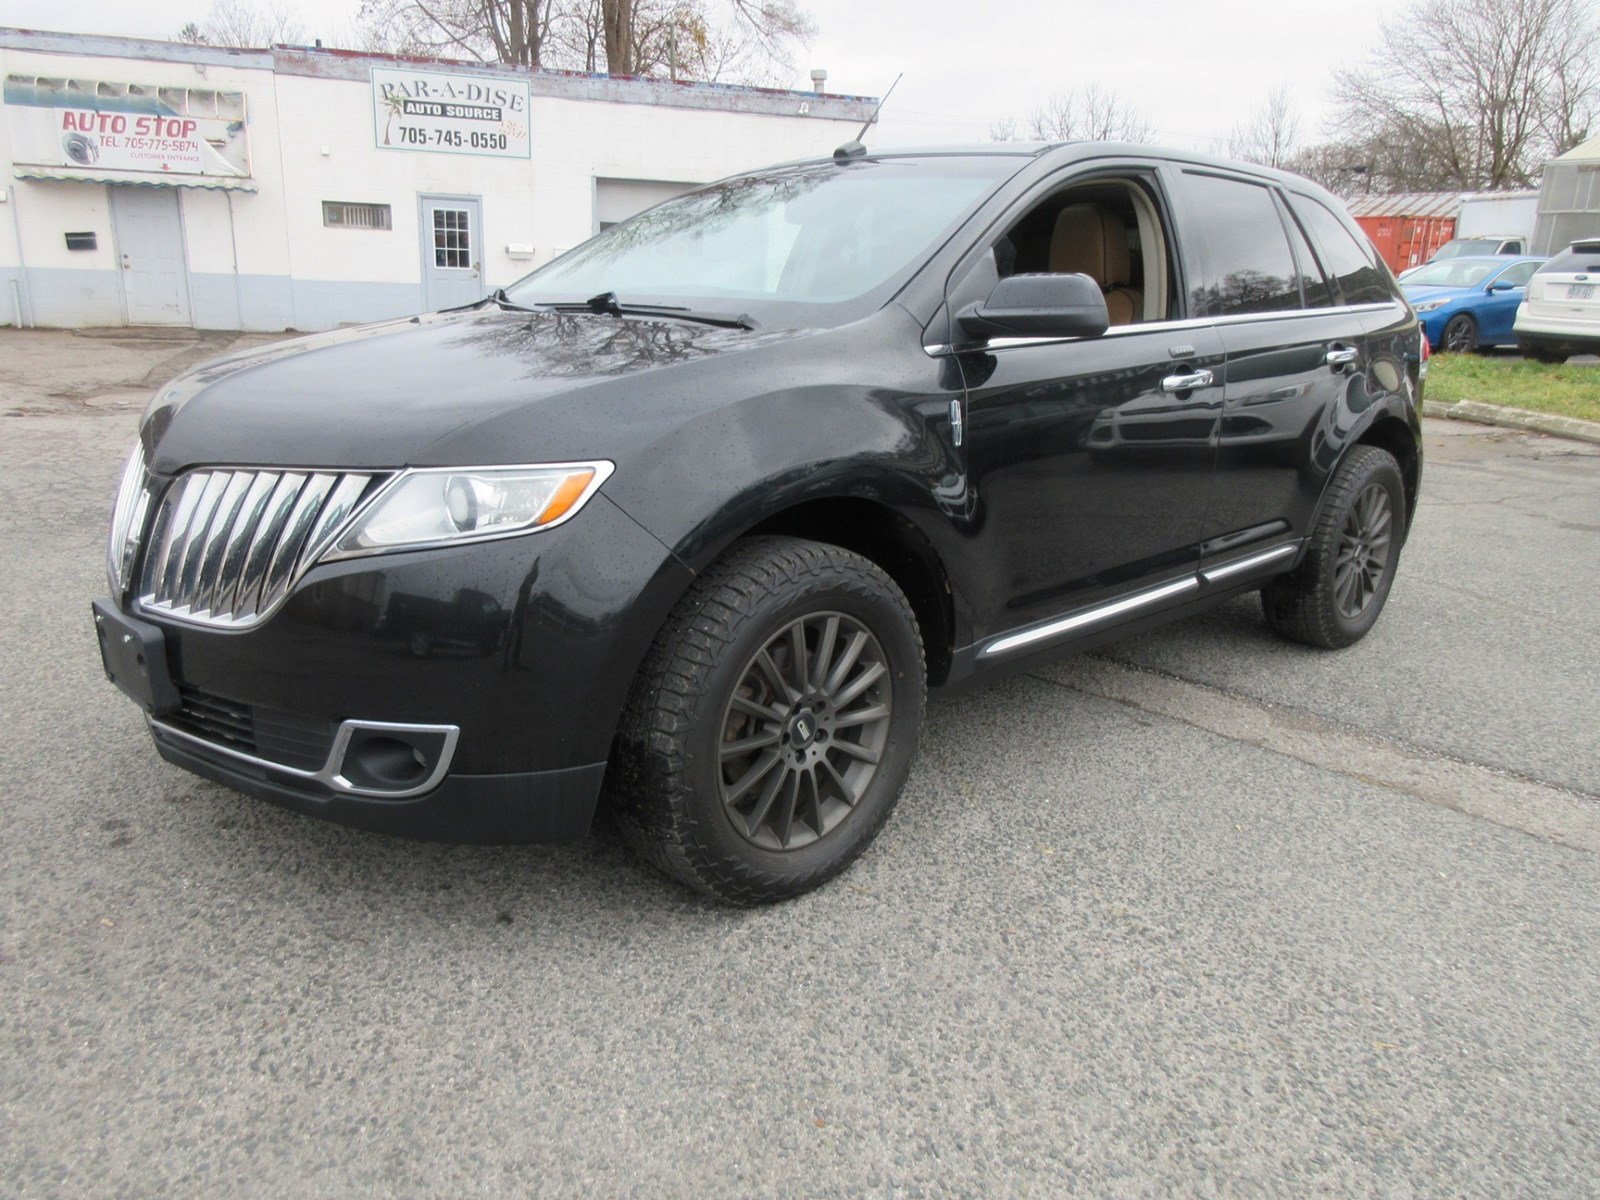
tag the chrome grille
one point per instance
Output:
(227, 545)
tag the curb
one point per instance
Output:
(1514, 418)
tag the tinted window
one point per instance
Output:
(1581, 256)
(1248, 266)
(1312, 281)
(1347, 260)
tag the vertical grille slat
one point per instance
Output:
(265, 541)
(225, 596)
(194, 546)
(209, 580)
(227, 545)
(287, 552)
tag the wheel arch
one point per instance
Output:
(893, 542)
(1395, 436)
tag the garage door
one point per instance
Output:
(618, 199)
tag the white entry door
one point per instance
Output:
(155, 276)
(452, 251)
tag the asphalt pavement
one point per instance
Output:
(1201, 914)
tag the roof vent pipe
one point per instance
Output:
(818, 78)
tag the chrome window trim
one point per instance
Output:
(937, 349)
(1103, 612)
(328, 774)
(1248, 563)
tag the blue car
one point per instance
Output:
(1468, 303)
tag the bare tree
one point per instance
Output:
(1345, 170)
(1270, 134)
(747, 40)
(246, 24)
(1474, 94)
(1088, 114)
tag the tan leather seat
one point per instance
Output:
(1091, 241)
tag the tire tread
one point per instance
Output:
(649, 786)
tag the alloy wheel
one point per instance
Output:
(1365, 544)
(804, 734)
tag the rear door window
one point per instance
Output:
(1246, 264)
(1318, 292)
(1354, 270)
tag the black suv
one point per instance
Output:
(687, 521)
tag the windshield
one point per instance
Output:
(1453, 273)
(788, 246)
(1462, 247)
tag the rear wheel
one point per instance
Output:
(1460, 334)
(773, 723)
(1337, 592)
(1548, 357)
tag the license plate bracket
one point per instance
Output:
(134, 655)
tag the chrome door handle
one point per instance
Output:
(1187, 383)
(1340, 356)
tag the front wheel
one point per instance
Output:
(1337, 592)
(1460, 334)
(773, 722)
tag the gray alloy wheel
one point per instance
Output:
(1336, 593)
(773, 722)
(1460, 335)
(804, 732)
(1366, 543)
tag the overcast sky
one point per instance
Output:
(1194, 69)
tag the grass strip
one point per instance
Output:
(1570, 390)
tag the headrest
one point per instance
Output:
(1090, 241)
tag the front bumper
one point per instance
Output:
(535, 806)
(504, 664)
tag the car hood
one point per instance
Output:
(404, 393)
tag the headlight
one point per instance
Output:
(127, 521)
(1430, 305)
(443, 506)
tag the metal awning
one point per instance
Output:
(224, 183)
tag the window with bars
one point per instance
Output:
(342, 214)
(452, 241)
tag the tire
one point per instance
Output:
(1460, 335)
(1551, 358)
(754, 794)
(1336, 593)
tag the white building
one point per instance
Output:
(300, 188)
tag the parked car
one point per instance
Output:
(1469, 303)
(1472, 247)
(702, 508)
(1560, 314)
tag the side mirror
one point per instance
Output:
(1503, 287)
(1038, 306)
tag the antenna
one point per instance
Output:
(881, 103)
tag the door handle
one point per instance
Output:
(1341, 356)
(1188, 383)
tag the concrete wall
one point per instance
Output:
(265, 260)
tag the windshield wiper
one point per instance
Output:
(498, 296)
(607, 304)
